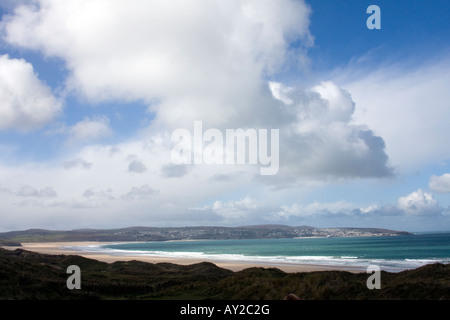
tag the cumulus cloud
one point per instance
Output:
(320, 141)
(440, 184)
(91, 198)
(174, 170)
(28, 197)
(76, 163)
(27, 191)
(206, 61)
(408, 107)
(101, 194)
(412, 210)
(189, 54)
(235, 208)
(137, 166)
(89, 130)
(124, 50)
(26, 102)
(418, 202)
(235, 212)
(280, 92)
(297, 209)
(140, 193)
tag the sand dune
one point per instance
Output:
(70, 248)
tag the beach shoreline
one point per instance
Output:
(71, 248)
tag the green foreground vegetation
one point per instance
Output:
(30, 275)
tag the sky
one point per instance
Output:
(92, 92)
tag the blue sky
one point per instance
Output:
(90, 92)
(406, 27)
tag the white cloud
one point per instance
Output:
(25, 102)
(319, 140)
(235, 208)
(440, 184)
(297, 209)
(411, 212)
(281, 92)
(196, 59)
(340, 105)
(235, 212)
(408, 107)
(208, 63)
(140, 193)
(137, 166)
(108, 195)
(418, 202)
(89, 130)
(91, 198)
(174, 170)
(101, 194)
(74, 163)
(27, 191)
(126, 50)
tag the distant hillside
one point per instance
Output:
(191, 233)
(34, 276)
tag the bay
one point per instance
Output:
(393, 253)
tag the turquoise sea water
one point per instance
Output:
(389, 253)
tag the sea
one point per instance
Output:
(390, 253)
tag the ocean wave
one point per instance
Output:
(391, 265)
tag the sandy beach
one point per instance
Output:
(69, 248)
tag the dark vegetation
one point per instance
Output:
(29, 275)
